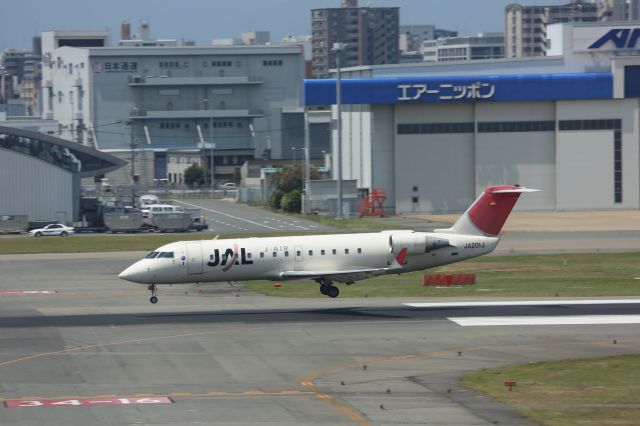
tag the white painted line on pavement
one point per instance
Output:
(567, 320)
(525, 303)
(225, 214)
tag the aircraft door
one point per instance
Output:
(298, 250)
(194, 257)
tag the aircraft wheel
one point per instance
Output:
(153, 300)
(323, 289)
(333, 292)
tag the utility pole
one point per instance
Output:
(211, 147)
(307, 165)
(133, 165)
(338, 48)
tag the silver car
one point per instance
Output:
(55, 229)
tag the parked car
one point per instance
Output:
(230, 186)
(55, 229)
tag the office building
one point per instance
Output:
(456, 49)
(526, 26)
(139, 102)
(371, 35)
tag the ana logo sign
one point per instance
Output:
(622, 38)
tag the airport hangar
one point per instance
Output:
(432, 136)
(40, 174)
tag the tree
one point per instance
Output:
(276, 199)
(292, 201)
(288, 179)
(237, 176)
(288, 183)
(195, 176)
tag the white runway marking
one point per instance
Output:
(568, 320)
(225, 214)
(525, 303)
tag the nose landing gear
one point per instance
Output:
(154, 293)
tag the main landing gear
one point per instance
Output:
(154, 293)
(328, 289)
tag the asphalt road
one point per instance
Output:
(224, 355)
(229, 217)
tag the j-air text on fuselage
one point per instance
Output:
(327, 259)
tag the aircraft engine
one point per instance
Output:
(415, 242)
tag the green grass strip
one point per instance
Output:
(594, 391)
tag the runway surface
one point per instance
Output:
(94, 351)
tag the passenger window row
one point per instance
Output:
(322, 252)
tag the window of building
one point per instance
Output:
(617, 166)
(516, 126)
(434, 128)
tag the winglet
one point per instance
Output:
(398, 262)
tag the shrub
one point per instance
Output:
(292, 201)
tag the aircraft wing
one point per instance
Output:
(347, 276)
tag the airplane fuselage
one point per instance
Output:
(267, 258)
(325, 259)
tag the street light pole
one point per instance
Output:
(338, 48)
(307, 165)
(211, 146)
(306, 178)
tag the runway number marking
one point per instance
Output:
(16, 403)
(26, 292)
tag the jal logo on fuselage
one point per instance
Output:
(229, 258)
(622, 38)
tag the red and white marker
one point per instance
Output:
(17, 403)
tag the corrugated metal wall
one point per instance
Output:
(35, 188)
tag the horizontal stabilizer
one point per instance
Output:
(519, 190)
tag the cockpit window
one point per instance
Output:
(151, 255)
(166, 255)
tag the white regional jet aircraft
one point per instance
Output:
(343, 258)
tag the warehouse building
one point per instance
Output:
(433, 136)
(40, 174)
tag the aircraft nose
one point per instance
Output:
(128, 274)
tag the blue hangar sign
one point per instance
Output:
(540, 87)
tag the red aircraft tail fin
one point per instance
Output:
(490, 211)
